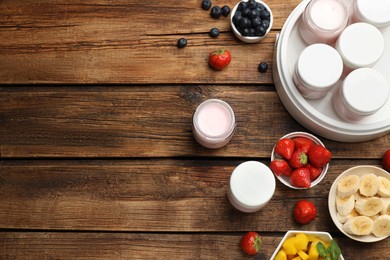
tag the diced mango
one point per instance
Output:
(301, 242)
(281, 255)
(297, 258)
(289, 246)
(313, 253)
(303, 255)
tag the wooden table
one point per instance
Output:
(97, 154)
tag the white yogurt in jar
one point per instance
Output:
(375, 12)
(317, 70)
(252, 185)
(360, 45)
(363, 93)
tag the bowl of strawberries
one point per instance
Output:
(300, 160)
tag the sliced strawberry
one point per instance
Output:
(285, 147)
(301, 178)
(298, 159)
(314, 171)
(280, 167)
(303, 143)
(319, 156)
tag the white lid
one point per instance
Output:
(252, 184)
(360, 45)
(365, 91)
(375, 12)
(319, 66)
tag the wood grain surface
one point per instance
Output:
(97, 155)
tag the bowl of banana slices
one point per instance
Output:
(359, 203)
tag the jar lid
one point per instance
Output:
(375, 12)
(365, 91)
(360, 45)
(252, 184)
(319, 66)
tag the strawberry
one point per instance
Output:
(304, 212)
(285, 148)
(314, 171)
(303, 143)
(319, 156)
(301, 178)
(298, 159)
(251, 243)
(386, 161)
(219, 59)
(280, 167)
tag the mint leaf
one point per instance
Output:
(321, 249)
(334, 250)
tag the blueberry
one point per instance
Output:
(225, 10)
(206, 4)
(260, 31)
(260, 7)
(265, 24)
(237, 16)
(214, 32)
(251, 32)
(252, 4)
(181, 43)
(242, 6)
(245, 32)
(253, 14)
(216, 12)
(245, 12)
(263, 67)
(265, 15)
(256, 22)
(244, 22)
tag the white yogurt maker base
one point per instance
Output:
(318, 115)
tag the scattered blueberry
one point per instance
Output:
(214, 32)
(263, 67)
(181, 43)
(252, 18)
(225, 10)
(206, 4)
(216, 12)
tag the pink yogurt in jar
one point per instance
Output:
(323, 21)
(213, 123)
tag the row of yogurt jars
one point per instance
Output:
(344, 42)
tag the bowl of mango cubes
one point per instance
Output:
(307, 245)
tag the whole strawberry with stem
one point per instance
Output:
(280, 167)
(319, 156)
(298, 159)
(300, 178)
(251, 243)
(285, 148)
(220, 59)
(302, 143)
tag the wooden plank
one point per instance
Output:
(124, 42)
(68, 245)
(146, 122)
(145, 195)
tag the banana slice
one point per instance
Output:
(345, 205)
(348, 185)
(382, 226)
(384, 187)
(360, 225)
(358, 196)
(369, 185)
(369, 206)
(386, 208)
(342, 219)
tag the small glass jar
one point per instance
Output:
(375, 12)
(360, 45)
(323, 20)
(363, 93)
(213, 123)
(252, 185)
(317, 70)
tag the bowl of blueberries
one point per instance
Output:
(251, 20)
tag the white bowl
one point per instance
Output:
(357, 170)
(285, 179)
(325, 236)
(250, 39)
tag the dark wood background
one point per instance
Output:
(97, 157)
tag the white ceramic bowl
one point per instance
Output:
(357, 170)
(250, 39)
(285, 179)
(325, 236)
